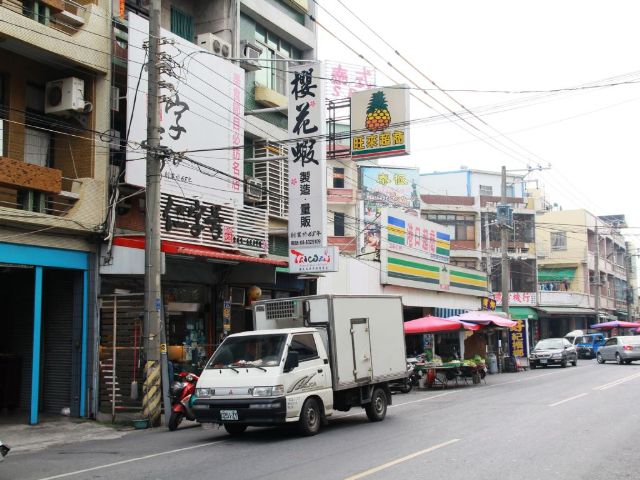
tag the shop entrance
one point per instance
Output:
(60, 346)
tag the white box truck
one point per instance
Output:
(306, 358)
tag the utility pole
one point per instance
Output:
(596, 274)
(506, 274)
(487, 247)
(152, 394)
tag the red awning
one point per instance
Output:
(178, 248)
(485, 318)
(436, 324)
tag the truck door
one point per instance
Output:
(362, 369)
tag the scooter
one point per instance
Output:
(411, 380)
(4, 449)
(181, 391)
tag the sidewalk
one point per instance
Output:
(55, 430)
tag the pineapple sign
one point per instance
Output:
(379, 122)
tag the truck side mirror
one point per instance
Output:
(292, 361)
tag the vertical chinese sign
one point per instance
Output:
(518, 339)
(380, 122)
(307, 161)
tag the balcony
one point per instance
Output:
(340, 195)
(565, 299)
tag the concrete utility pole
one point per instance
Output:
(504, 246)
(596, 275)
(152, 394)
(487, 247)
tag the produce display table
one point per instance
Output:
(448, 375)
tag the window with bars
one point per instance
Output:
(558, 240)
(486, 190)
(182, 24)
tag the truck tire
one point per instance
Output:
(377, 409)
(310, 418)
(235, 429)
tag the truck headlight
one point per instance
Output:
(205, 392)
(272, 391)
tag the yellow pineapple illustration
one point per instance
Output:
(378, 116)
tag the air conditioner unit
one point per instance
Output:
(253, 189)
(64, 96)
(251, 53)
(214, 44)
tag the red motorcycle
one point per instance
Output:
(181, 391)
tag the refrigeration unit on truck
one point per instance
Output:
(306, 358)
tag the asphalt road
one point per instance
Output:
(543, 424)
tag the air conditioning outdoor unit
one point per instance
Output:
(253, 189)
(214, 44)
(64, 96)
(251, 53)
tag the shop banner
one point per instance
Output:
(384, 187)
(347, 79)
(518, 339)
(221, 226)
(411, 271)
(380, 122)
(311, 260)
(307, 158)
(202, 109)
(517, 298)
(408, 234)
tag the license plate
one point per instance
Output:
(543, 360)
(228, 415)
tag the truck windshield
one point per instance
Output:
(585, 339)
(249, 351)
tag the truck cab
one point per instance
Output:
(589, 344)
(265, 378)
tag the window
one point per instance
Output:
(338, 224)
(558, 240)
(273, 74)
(37, 11)
(460, 227)
(486, 190)
(2, 115)
(305, 345)
(37, 147)
(338, 177)
(182, 24)
(611, 342)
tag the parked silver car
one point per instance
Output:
(624, 349)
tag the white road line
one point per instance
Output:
(617, 382)
(137, 459)
(400, 460)
(567, 400)
(518, 381)
(362, 412)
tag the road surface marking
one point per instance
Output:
(520, 380)
(400, 460)
(617, 382)
(137, 459)
(567, 400)
(362, 412)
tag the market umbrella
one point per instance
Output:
(615, 324)
(431, 324)
(484, 318)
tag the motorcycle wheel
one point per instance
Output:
(175, 420)
(406, 388)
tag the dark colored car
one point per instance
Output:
(553, 351)
(588, 345)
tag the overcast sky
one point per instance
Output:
(588, 137)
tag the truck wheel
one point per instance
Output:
(310, 418)
(235, 429)
(377, 409)
(175, 420)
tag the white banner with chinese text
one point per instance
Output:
(307, 158)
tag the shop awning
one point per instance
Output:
(521, 313)
(566, 311)
(431, 324)
(556, 274)
(178, 248)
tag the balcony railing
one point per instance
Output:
(56, 204)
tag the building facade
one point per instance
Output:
(55, 105)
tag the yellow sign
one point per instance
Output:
(163, 348)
